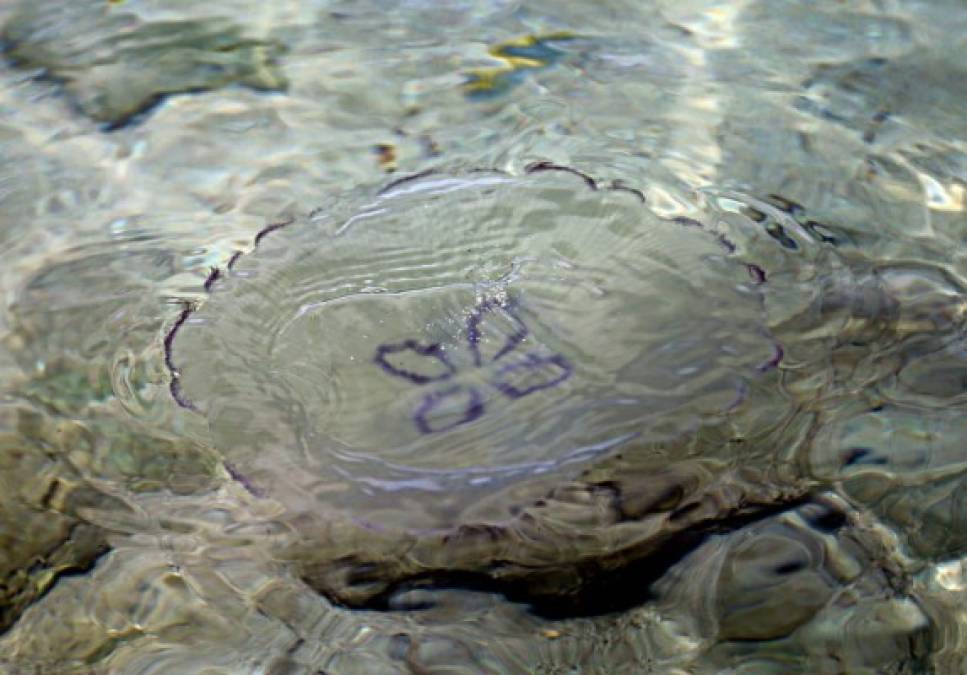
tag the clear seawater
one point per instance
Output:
(483, 336)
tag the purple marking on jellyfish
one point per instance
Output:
(238, 476)
(179, 396)
(531, 363)
(214, 275)
(406, 179)
(268, 229)
(473, 409)
(618, 185)
(170, 338)
(778, 353)
(740, 395)
(726, 243)
(434, 351)
(234, 259)
(687, 222)
(534, 167)
(757, 273)
(723, 240)
(473, 331)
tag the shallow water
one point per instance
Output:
(654, 361)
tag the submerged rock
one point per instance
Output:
(228, 601)
(814, 589)
(115, 66)
(41, 536)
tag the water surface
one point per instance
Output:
(653, 361)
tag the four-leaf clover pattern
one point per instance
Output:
(509, 369)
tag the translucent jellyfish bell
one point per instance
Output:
(458, 335)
